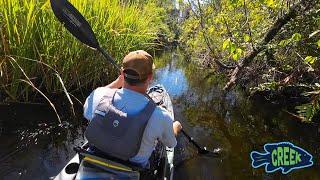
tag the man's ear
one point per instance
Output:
(150, 77)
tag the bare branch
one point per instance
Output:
(248, 23)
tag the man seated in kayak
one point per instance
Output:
(131, 103)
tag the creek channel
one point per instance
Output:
(215, 119)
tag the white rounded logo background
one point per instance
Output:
(115, 123)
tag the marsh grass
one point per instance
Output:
(53, 60)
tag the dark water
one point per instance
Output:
(215, 119)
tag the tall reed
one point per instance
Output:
(31, 34)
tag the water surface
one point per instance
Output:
(215, 119)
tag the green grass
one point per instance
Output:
(45, 51)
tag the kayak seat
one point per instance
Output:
(112, 165)
(98, 167)
(96, 156)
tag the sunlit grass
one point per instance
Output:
(29, 30)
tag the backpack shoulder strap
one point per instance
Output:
(105, 102)
(147, 112)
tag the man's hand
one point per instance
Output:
(176, 127)
(118, 83)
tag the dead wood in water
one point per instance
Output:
(299, 9)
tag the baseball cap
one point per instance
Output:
(137, 65)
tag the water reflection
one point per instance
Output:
(231, 121)
(38, 152)
(172, 78)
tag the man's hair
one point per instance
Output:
(132, 82)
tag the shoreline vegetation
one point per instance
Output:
(266, 48)
(39, 57)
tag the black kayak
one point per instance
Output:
(86, 165)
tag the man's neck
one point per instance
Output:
(139, 89)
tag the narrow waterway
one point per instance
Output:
(215, 119)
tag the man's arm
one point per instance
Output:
(170, 130)
(92, 102)
(116, 84)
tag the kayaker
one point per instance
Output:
(125, 99)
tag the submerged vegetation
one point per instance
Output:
(264, 45)
(37, 54)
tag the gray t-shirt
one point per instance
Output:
(159, 126)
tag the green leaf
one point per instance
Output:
(309, 113)
(236, 3)
(226, 44)
(283, 43)
(296, 37)
(270, 3)
(232, 47)
(287, 67)
(310, 59)
(246, 38)
(318, 43)
(238, 53)
(211, 29)
(235, 57)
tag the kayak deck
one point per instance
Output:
(161, 161)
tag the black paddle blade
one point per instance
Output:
(76, 24)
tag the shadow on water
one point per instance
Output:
(215, 119)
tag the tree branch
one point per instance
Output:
(248, 23)
(219, 63)
(298, 9)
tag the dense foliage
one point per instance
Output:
(37, 51)
(222, 32)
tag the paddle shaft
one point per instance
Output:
(192, 141)
(201, 150)
(108, 57)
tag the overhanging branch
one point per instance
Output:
(206, 39)
(298, 9)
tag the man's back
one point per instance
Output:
(159, 125)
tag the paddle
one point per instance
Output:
(77, 25)
(204, 151)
